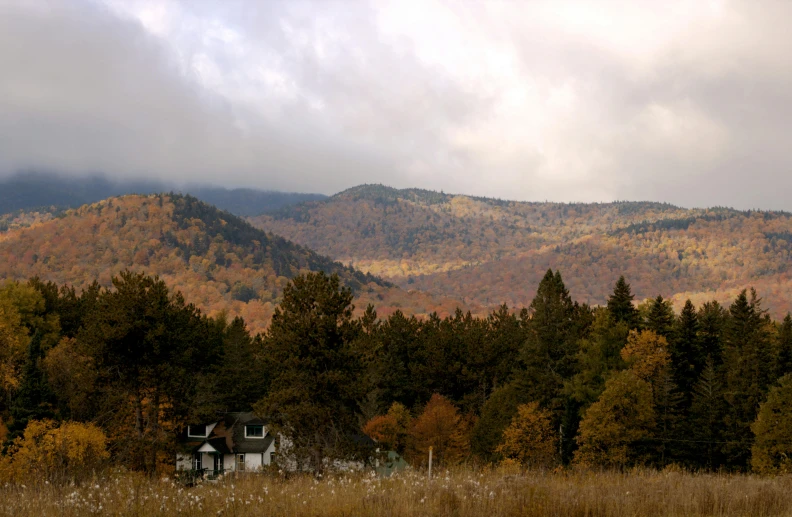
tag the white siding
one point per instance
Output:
(253, 461)
(228, 462)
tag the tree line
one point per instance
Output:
(555, 383)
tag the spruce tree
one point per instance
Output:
(784, 347)
(551, 344)
(316, 377)
(749, 372)
(687, 356)
(34, 399)
(704, 425)
(712, 320)
(661, 317)
(620, 304)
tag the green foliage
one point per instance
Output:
(620, 304)
(599, 355)
(315, 373)
(749, 369)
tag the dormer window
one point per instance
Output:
(254, 431)
(196, 431)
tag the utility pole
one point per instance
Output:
(430, 462)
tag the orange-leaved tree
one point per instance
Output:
(530, 440)
(391, 431)
(441, 427)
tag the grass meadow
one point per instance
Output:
(460, 492)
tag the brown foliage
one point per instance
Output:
(441, 427)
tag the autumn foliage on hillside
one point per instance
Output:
(217, 260)
(487, 251)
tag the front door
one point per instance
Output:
(218, 463)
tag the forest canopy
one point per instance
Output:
(555, 383)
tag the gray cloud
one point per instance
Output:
(543, 100)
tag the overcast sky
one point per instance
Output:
(682, 101)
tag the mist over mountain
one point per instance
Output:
(37, 190)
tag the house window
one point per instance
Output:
(254, 431)
(240, 462)
(197, 461)
(196, 431)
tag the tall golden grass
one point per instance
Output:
(461, 492)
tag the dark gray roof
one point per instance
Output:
(254, 445)
(237, 422)
(228, 436)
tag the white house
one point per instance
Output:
(237, 443)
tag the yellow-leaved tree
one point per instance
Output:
(772, 449)
(530, 440)
(615, 428)
(646, 354)
(13, 341)
(49, 452)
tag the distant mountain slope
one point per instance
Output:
(487, 251)
(50, 192)
(216, 259)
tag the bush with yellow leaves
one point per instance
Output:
(530, 440)
(48, 452)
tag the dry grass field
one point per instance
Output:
(462, 492)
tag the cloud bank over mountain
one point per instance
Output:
(559, 100)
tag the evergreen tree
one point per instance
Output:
(150, 348)
(687, 356)
(704, 426)
(551, 344)
(242, 376)
(712, 321)
(315, 373)
(496, 415)
(599, 354)
(660, 319)
(784, 347)
(749, 372)
(620, 304)
(34, 399)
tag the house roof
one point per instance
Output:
(228, 436)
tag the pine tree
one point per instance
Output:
(712, 321)
(34, 399)
(784, 347)
(551, 344)
(704, 425)
(620, 304)
(749, 371)
(660, 319)
(315, 373)
(687, 356)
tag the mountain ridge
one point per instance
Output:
(487, 252)
(213, 257)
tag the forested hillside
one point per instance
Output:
(33, 191)
(488, 251)
(216, 259)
